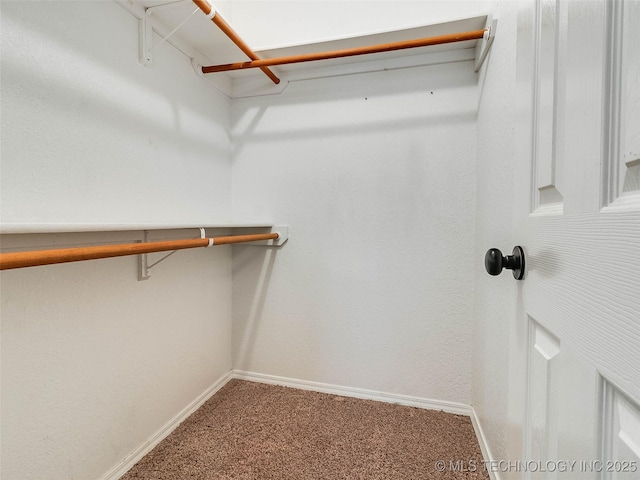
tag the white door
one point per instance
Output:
(575, 383)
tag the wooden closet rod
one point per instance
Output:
(64, 255)
(235, 38)
(383, 47)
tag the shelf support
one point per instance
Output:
(143, 261)
(483, 47)
(144, 266)
(145, 31)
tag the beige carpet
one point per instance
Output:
(255, 431)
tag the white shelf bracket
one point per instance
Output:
(145, 31)
(144, 266)
(484, 45)
(283, 235)
(145, 36)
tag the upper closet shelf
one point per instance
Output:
(27, 228)
(220, 54)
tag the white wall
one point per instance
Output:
(495, 297)
(375, 174)
(94, 362)
(92, 136)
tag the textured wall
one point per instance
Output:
(375, 174)
(92, 136)
(495, 297)
(94, 362)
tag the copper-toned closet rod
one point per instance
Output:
(229, 32)
(64, 255)
(384, 47)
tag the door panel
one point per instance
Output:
(620, 435)
(578, 150)
(542, 390)
(547, 196)
(622, 158)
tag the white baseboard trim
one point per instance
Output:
(449, 407)
(129, 461)
(484, 445)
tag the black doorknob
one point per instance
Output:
(494, 262)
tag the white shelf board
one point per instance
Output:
(26, 228)
(423, 31)
(253, 82)
(207, 45)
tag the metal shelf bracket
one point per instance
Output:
(144, 266)
(145, 31)
(484, 45)
(283, 235)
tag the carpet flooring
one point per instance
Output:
(254, 431)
